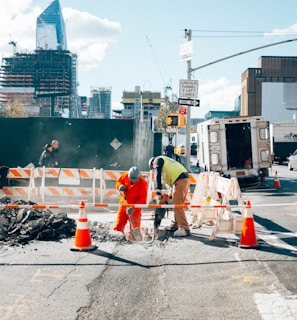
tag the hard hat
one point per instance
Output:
(150, 163)
(134, 174)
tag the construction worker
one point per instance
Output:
(55, 153)
(133, 188)
(175, 175)
(46, 158)
(169, 150)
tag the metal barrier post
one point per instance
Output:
(42, 183)
(94, 185)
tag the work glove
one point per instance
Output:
(122, 188)
(130, 211)
(159, 192)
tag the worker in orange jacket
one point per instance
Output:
(133, 188)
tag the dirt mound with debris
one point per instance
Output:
(20, 226)
(23, 225)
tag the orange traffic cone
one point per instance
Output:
(248, 237)
(277, 184)
(82, 241)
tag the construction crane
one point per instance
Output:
(13, 43)
(167, 88)
(169, 85)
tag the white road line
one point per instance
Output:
(275, 307)
(275, 241)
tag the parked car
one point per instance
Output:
(292, 163)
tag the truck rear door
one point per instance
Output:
(215, 147)
(263, 144)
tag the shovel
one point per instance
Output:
(135, 232)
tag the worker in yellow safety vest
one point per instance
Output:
(175, 175)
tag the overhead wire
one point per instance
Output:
(239, 33)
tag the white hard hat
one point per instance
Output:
(134, 174)
(150, 163)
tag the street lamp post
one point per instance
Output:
(188, 33)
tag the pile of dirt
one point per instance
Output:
(20, 226)
(23, 225)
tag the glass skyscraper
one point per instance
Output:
(50, 28)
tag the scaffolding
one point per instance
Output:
(50, 75)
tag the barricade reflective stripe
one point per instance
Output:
(87, 173)
(47, 172)
(18, 191)
(19, 173)
(112, 175)
(112, 193)
(69, 191)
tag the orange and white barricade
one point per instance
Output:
(21, 184)
(69, 182)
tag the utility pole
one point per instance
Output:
(188, 34)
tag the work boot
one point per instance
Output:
(171, 227)
(181, 232)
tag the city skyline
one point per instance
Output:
(122, 48)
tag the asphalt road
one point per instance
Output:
(185, 278)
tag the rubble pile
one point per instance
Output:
(20, 226)
(23, 225)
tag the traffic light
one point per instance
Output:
(176, 120)
(172, 120)
(182, 121)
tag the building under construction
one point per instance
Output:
(43, 82)
(138, 104)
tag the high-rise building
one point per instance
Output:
(43, 82)
(139, 104)
(270, 89)
(100, 103)
(50, 28)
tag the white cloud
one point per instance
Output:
(283, 32)
(18, 24)
(217, 94)
(89, 36)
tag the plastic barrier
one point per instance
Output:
(67, 183)
(48, 184)
(25, 189)
(214, 190)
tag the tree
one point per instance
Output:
(13, 109)
(168, 107)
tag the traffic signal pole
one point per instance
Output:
(188, 34)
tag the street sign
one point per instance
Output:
(189, 102)
(188, 88)
(186, 51)
(182, 110)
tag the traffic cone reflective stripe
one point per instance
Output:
(248, 237)
(276, 181)
(82, 240)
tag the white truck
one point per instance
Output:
(235, 147)
(283, 140)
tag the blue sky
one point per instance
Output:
(122, 44)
